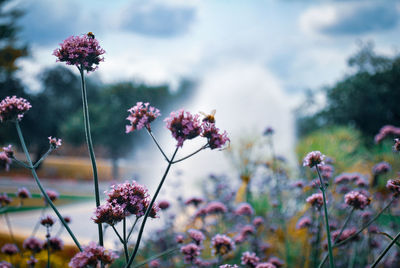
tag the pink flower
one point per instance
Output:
(250, 259)
(386, 131)
(23, 193)
(258, 221)
(394, 186)
(396, 146)
(163, 205)
(265, 265)
(196, 235)
(194, 200)
(9, 249)
(222, 244)
(276, 262)
(179, 239)
(13, 108)
(190, 252)
(54, 142)
(141, 115)
(381, 168)
(154, 264)
(5, 162)
(346, 234)
(326, 171)
(304, 222)
(314, 158)
(32, 261)
(356, 200)
(67, 219)
(82, 51)
(91, 256)
(4, 264)
(4, 200)
(228, 266)
(183, 126)
(47, 221)
(268, 131)
(214, 137)
(316, 200)
(109, 214)
(33, 244)
(215, 207)
(56, 244)
(244, 209)
(53, 195)
(9, 151)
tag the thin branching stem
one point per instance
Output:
(132, 228)
(385, 251)
(90, 147)
(42, 190)
(22, 164)
(190, 155)
(42, 158)
(119, 236)
(125, 241)
(158, 145)
(162, 254)
(149, 208)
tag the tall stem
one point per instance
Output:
(39, 184)
(125, 241)
(328, 233)
(385, 251)
(149, 209)
(90, 147)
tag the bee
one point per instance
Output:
(209, 117)
(90, 35)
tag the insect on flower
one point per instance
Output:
(90, 35)
(209, 117)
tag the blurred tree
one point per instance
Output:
(366, 99)
(108, 116)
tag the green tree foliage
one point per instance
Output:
(366, 100)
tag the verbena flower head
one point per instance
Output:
(141, 115)
(228, 266)
(346, 234)
(276, 261)
(179, 239)
(110, 214)
(222, 244)
(13, 108)
(47, 221)
(154, 264)
(196, 235)
(54, 142)
(4, 264)
(163, 205)
(23, 193)
(56, 244)
(313, 159)
(4, 200)
(357, 200)
(53, 195)
(247, 230)
(386, 131)
(381, 168)
(244, 209)
(183, 126)
(250, 259)
(9, 249)
(215, 207)
(326, 171)
(194, 201)
(265, 265)
(82, 51)
(5, 161)
(33, 244)
(32, 261)
(304, 222)
(396, 146)
(316, 200)
(215, 139)
(91, 256)
(67, 219)
(258, 221)
(190, 252)
(394, 186)
(9, 151)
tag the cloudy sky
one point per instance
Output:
(251, 59)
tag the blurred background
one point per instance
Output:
(316, 72)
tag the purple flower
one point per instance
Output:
(9, 249)
(54, 142)
(356, 200)
(258, 221)
(163, 205)
(9, 151)
(228, 266)
(342, 178)
(196, 235)
(141, 115)
(53, 195)
(250, 259)
(5, 161)
(32, 261)
(316, 200)
(276, 262)
(23, 193)
(67, 219)
(110, 214)
(56, 244)
(82, 51)
(4, 200)
(215, 207)
(346, 234)
(265, 265)
(268, 131)
(179, 239)
(381, 168)
(214, 137)
(222, 244)
(190, 252)
(247, 230)
(4, 264)
(91, 256)
(386, 131)
(298, 184)
(313, 159)
(183, 126)
(195, 201)
(326, 171)
(33, 244)
(304, 222)
(155, 264)
(47, 221)
(13, 108)
(394, 186)
(244, 209)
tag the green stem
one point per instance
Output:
(385, 251)
(125, 241)
(119, 236)
(389, 236)
(22, 164)
(42, 158)
(90, 147)
(39, 184)
(156, 142)
(162, 254)
(149, 209)
(132, 228)
(328, 234)
(48, 247)
(186, 157)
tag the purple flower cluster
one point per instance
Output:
(23, 193)
(110, 214)
(163, 205)
(53, 195)
(56, 244)
(82, 51)
(4, 200)
(47, 221)
(222, 244)
(141, 115)
(33, 244)
(314, 158)
(250, 259)
(396, 146)
(54, 142)
(194, 201)
(13, 108)
(244, 209)
(215, 207)
(5, 161)
(9, 151)
(381, 168)
(386, 131)
(345, 235)
(265, 265)
(304, 222)
(228, 266)
(394, 186)
(190, 252)
(357, 200)
(9, 249)
(196, 235)
(316, 200)
(91, 256)
(214, 137)
(4, 264)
